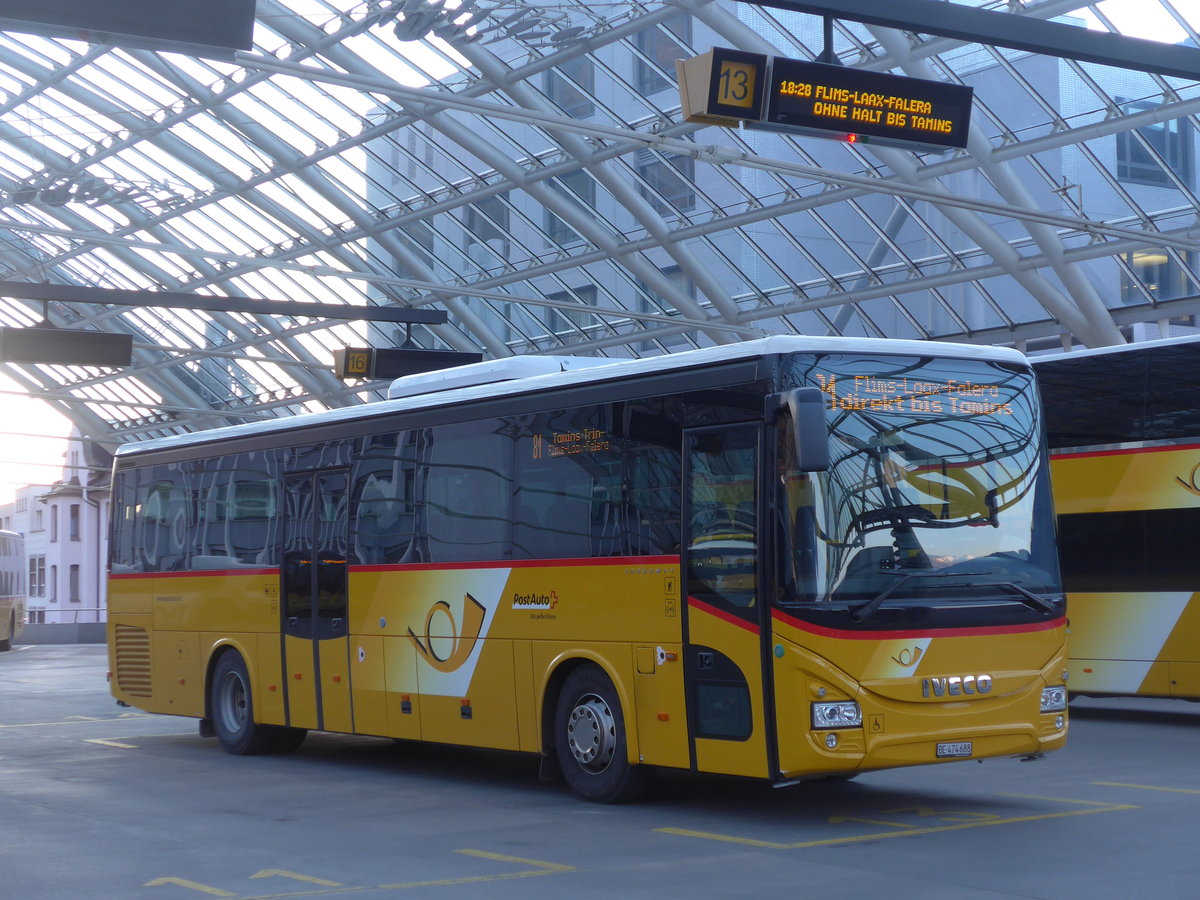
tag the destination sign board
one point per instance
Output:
(731, 87)
(882, 108)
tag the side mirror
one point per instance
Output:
(810, 432)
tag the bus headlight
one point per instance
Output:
(1054, 699)
(838, 714)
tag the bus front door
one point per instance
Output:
(723, 669)
(316, 660)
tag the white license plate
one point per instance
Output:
(954, 750)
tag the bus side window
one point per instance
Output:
(567, 490)
(166, 521)
(468, 488)
(651, 490)
(382, 502)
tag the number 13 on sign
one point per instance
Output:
(736, 84)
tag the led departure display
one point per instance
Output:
(730, 87)
(873, 106)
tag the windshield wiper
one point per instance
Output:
(865, 610)
(1029, 598)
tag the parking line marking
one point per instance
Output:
(116, 744)
(1146, 787)
(191, 885)
(499, 857)
(296, 876)
(1103, 803)
(75, 720)
(908, 832)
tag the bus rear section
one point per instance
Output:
(1124, 432)
(12, 588)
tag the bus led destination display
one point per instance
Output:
(874, 106)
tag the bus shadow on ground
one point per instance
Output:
(453, 768)
(1187, 713)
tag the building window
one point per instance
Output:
(570, 85)
(37, 576)
(487, 223)
(667, 181)
(1156, 270)
(652, 301)
(570, 324)
(657, 52)
(487, 219)
(35, 616)
(53, 524)
(39, 523)
(1139, 152)
(577, 185)
(73, 583)
(73, 521)
(54, 584)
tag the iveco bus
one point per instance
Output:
(788, 559)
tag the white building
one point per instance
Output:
(28, 517)
(66, 537)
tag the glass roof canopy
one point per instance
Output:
(524, 166)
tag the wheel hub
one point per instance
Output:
(232, 703)
(592, 733)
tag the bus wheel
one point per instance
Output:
(232, 709)
(589, 737)
(6, 643)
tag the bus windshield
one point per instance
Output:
(937, 489)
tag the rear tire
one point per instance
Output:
(231, 707)
(589, 739)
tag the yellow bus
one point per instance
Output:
(788, 559)
(12, 587)
(1124, 432)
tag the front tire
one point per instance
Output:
(231, 705)
(589, 739)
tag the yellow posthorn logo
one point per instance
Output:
(909, 656)
(461, 644)
(1190, 484)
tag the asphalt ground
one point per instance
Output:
(100, 802)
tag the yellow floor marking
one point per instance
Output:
(837, 820)
(117, 744)
(1103, 803)
(908, 832)
(499, 857)
(541, 867)
(192, 885)
(1146, 787)
(284, 873)
(74, 720)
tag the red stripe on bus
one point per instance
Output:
(843, 634)
(607, 561)
(1124, 451)
(701, 606)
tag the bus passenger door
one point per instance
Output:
(315, 603)
(723, 669)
